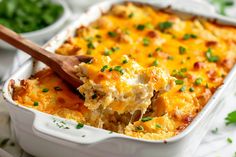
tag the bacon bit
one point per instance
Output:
(191, 77)
(61, 100)
(12, 83)
(228, 63)
(151, 34)
(187, 119)
(23, 82)
(198, 65)
(101, 76)
(180, 128)
(213, 76)
(161, 54)
(205, 96)
(211, 43)
(211, 73)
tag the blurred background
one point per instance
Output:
(39, 20)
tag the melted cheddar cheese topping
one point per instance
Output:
(197, 53)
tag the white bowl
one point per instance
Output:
(42, 35)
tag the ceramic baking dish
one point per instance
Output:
(44, 135)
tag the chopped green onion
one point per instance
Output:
(79, 126)
(188, 36)
(94, 96)
(90, 45)
(145, 119)
(165, 25)
(155, 63)
(139, 128)
(229, 140)
(146, 41)
(198, 81)
(140, 27)
(182, 89)
(124, 61)
(210, 57)
(36, 103)
(179, 82)
(57, 88)
(107, 52)
(158, 126)
(131, 15)
(45, 90)
(104, 68)
(215, 131)
(182, 50)
(112, 34)
(191, 89)
(119, 69)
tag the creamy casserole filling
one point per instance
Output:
(139, 52)
(127, 87)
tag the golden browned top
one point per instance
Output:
(199, 54)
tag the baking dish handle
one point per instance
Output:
(57, 129)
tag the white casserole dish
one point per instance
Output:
(38, 133)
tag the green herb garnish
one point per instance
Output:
(90, 45)
(146, 41)
(94, 96)
(57, 88)
(198, 81)
(145, 119)
(79, 126)
(165, 25)
(188, 36)
(124, 61)
(215, 131)
(231, 118)
(139, 128)
(119, 69)
(222, 5)
(104, 68)
(182, 50)
(140, 27)
(112, 34)
(158, 126)
(191, 89)
(182, 89)
(29, 15)
(179, 82)
(36, 103)
(115, 49)
(229, 140)
(155, 63)
(45, 90)
(210, 57)
(131, 15)
(108, 52)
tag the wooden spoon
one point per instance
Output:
(62, 65)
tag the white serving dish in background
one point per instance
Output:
(37, 133)
(44, 34)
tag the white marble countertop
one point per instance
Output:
(213, 145)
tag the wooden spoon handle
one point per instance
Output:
(27, 46)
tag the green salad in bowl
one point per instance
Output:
(28, 15)
(36, 20)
